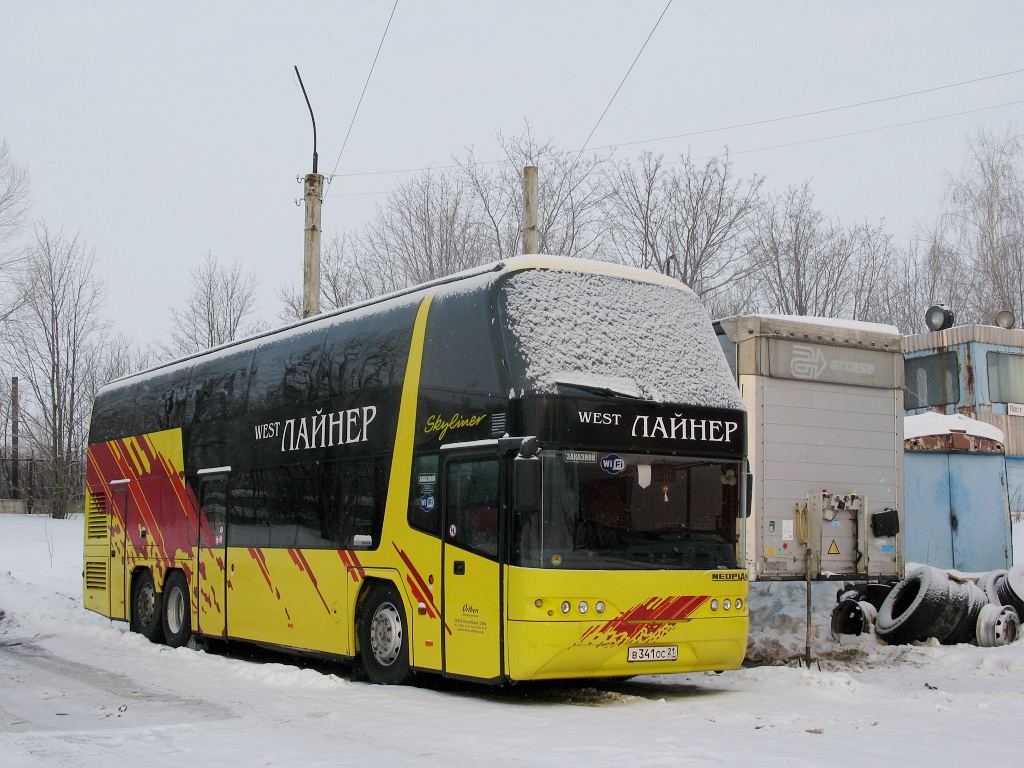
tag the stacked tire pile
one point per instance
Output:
(928, 603)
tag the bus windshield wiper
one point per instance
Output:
(624, 388)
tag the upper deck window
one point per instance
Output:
(1005, 377)
(932, 380)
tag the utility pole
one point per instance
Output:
(530, 191)
(313, 192)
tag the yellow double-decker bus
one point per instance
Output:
(531, 470)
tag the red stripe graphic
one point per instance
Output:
(645, 622)
(420, 588)
(352, 564)
(300, 560)
(261, 562)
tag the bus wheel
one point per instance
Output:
(145, 608)
(177, 616)
(383, 645)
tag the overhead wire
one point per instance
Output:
(731, 151)
(815, 112)
(870, 130)
(624, 78)
(361, 95)
(753, 123)
(490, 162)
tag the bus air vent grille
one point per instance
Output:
(497, 423)
(96, 516)
(95, 574)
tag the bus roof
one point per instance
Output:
(470, 278)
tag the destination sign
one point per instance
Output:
(635, 426)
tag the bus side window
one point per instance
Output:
(472, 505)
(424, 513)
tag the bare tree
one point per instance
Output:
(803, 261)
(15, 204)
(15, 195)
(343, 279)
(927, 271)
(424, 231)
(55, 337)
(121, 356)
(683, 220)
(984, 215)
(874, 263)
(220, 300)
(638, 207)
(570, 193)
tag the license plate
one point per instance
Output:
(653, 653)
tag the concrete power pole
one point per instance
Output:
(530, 191)
(313, 192)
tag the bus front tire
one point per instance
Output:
(177, 614)
(145, 608)
(383, 636)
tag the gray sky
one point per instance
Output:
(163, 132)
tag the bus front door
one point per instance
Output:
(472, 597)
(208, 589)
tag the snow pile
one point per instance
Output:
(778, 625)
(833, 322)
(81, 690)
(927, 424)
(632, 336)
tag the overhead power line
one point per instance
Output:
(635, 60)
(361, 95)
(868, 130)
(817, 111)
(763, 122)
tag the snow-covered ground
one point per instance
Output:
(79, 690)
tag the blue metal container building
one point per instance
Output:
(960, 498)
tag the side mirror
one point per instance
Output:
(527, 484)
(749, 501)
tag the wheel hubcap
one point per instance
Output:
(175, 611)
(386, 634)
(146, 604)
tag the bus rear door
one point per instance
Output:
(472, 609)
(119, 584)
(208, 590)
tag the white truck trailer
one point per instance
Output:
(825, 431)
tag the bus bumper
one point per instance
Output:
(551, 650)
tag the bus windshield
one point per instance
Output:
(632, 511)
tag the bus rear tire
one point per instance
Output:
(145, 608)
(383, 636)
(177, 614)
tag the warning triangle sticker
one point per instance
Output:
(833, 550)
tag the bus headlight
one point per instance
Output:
(599, 606)
(727, 604)
(714, 604)
(566, 607)
(583, 607)
(739, 603)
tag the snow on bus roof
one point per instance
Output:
(627, 336)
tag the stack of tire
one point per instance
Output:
(929, 603)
